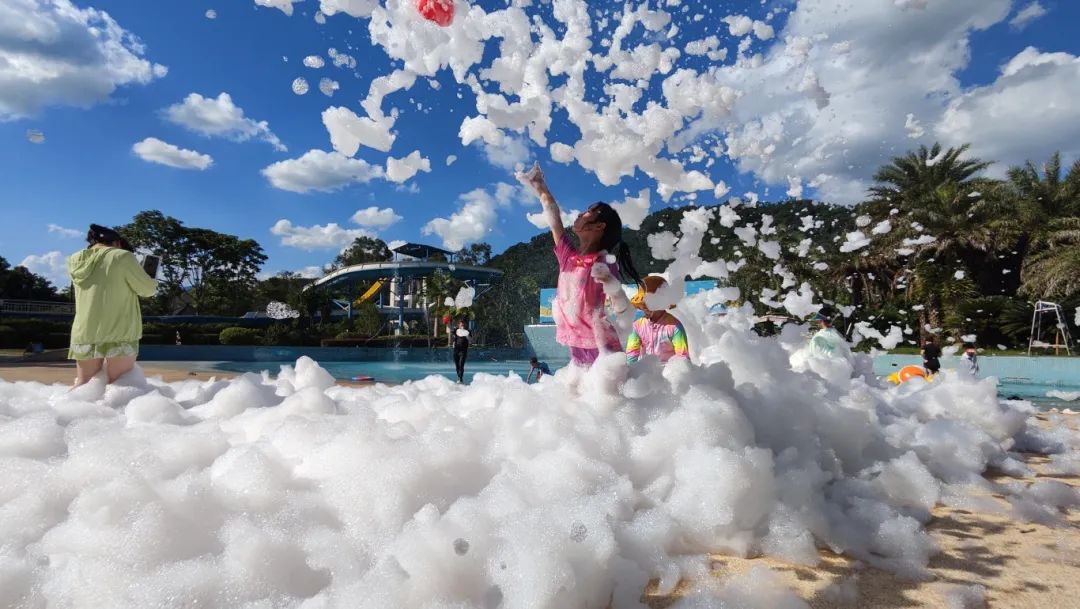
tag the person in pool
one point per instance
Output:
(539, 367)
(108, 282)
(971, 358)
(827, 341)
(930, 354)
(461, 349)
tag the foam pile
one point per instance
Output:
(292, 491)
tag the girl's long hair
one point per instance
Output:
(612, 240)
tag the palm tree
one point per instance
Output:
(918, 173)
(1053, 270)
(1046, 211)
(959, 221)
(1048, 195)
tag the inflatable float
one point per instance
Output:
(907, 373)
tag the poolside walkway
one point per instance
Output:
(64, 372)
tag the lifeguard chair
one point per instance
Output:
(1045, 314)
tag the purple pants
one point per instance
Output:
(583, 357)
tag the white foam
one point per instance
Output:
(263, 490)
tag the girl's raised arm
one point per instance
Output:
(534, 178)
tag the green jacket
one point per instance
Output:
(108, 282)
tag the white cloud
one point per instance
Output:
(153, 150)
(473, 220)
(633, 210)
(507, 154)
(373, 217)
(284, 6)
(220, 117)
(401, 170)
(52, 266)
(998, 120)
(827, 99)
(311, 272)
(318, 236)
(69, 233)
(561, 153)
(55, 54)
(320, 170)
(539, 219)
(1026, 15)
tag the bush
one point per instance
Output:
(420, 340)
(240, 336)
(56, 340)
(26, 331)
(9, 338)
(290, 334)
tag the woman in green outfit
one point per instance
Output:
(108, 281)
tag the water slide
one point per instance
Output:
(368, 295)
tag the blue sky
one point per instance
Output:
(86, 170)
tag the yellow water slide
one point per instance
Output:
(368, 295)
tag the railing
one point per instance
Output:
(40, 307)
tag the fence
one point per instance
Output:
(35, 307)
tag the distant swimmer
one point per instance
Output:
(539, 367)
(827, 341)
(461, 349)
(930, 354)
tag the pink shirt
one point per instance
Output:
(578, 308)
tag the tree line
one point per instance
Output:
(948, 253)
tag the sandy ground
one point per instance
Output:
(1021, 565)
(64, 372)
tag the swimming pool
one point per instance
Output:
(1019, 377)
(392, 372)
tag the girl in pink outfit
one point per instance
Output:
(586, 276)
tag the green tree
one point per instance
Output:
(363, 250)
(1053, 271)
(286, 287)
(477, 254)
(20, 283)
(216, 271)
(917, 174)
(1044, 214)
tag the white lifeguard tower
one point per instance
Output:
(1051, 317)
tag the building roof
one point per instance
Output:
(419, 250)
(406, 269)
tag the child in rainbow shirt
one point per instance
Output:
(657, 332)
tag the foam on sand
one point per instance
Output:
(573, 492)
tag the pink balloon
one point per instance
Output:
(437, 11)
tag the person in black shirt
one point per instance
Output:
(461, 349)
(930, 354)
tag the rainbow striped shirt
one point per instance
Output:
(665, 339)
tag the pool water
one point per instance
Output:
(392, 372)
(395, 373)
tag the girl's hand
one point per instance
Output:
(602, 274)
(534, 178)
